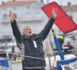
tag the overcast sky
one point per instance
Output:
(60, 2)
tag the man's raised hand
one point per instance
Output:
(54, 13)
(11, 16)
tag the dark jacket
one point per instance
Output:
(28, 48)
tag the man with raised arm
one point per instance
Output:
(32, 44)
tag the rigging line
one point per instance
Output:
(24, 56)
(29, 56)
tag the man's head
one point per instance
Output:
(27, 31)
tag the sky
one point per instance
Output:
(60, 2)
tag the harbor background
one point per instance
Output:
(34, 17)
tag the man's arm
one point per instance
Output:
(47, 28)
(49, 25)
(15, 29)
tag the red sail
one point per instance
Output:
(63, 21)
